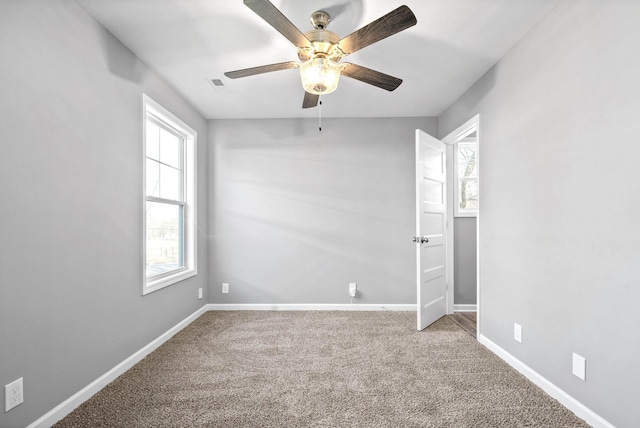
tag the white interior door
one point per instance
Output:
(431, 223)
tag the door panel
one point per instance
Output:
(432, 224)
(433, 192)
(431, 214)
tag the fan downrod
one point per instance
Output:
(320, 19)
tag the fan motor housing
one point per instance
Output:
(324, 44)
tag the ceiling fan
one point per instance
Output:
(321, 50)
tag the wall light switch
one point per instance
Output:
(200, 293)
(579, 366)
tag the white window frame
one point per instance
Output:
(159, 114)
(463, 141)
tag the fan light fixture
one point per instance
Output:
(320, 75)
(321, 50)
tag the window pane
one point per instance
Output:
(466, 161)
(169, 148)
(153, 178)
(468, 191)
(170, 183)
(164, 238)
(153, 140)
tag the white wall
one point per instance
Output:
(559, 230)
(465, 253)
(70, 205)
(296, 214)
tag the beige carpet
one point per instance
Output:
(320, 369)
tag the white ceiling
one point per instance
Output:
(189, 42)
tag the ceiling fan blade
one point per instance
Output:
(310, 100)
(371, 77)
(388, 25)
(267, 11)
(261, 69)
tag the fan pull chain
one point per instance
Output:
(320, 116)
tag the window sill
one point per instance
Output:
(154, 285)
(465, 215)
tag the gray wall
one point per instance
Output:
(465, 251)
(296, 215)
(71, 211)
(559, 230)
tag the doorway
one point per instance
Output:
(463, 237)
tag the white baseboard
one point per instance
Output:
(465, 308)
(305, 307)
(565, 399)
(67, 406)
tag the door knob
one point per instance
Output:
(420, 239)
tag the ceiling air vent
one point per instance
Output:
(218, 86)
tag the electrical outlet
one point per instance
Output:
(579, 366)
(13, 394)
(199, 293)
(352, 289)
(225, 287)
(517, 332)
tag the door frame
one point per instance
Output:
(470, 126)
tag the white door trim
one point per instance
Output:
(458, 134)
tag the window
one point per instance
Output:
(169, 198)
(466, 176)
